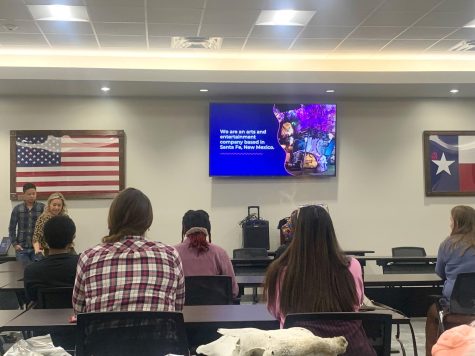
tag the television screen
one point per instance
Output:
(272, 139)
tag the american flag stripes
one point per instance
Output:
(78, 164)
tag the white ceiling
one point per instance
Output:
(339, 28)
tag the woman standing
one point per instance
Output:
(55, 206)
(456, 255)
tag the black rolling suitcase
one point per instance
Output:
(255, 231)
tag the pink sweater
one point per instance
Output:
(355, 270)
(214, 262)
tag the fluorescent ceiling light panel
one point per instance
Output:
(284, 18)
(471, 24)
(59, 13)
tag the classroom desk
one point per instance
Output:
(384, 260)
(7, 315)
(201, 322)
(10, 278)
(12, 266)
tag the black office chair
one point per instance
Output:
(408, 267)
(131, 333)
(462, 303)
(208, 290)
(54, 298)
(366, 333)
(246, 253)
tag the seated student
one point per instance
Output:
(58, 269)
(128, 272)
(200, 257)
(456, 255)
(314, 275)
(287, 229)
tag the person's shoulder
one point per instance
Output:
(39, 204)
(35, 268)
(218, 249)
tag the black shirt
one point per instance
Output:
(52, 271)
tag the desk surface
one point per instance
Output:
(11, 278)
(12, 266)
(369, 280)
(8, 315)
(224, 314)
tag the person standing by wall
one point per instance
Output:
(22, 224)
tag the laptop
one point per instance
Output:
(5, 246)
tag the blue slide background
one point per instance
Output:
(245, 117)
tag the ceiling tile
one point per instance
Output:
(268, 43)
(420, 6)
(221, 30)
(66, 27)
(159, 42)
(445, 19)
(174, 15)
(23, 26)
(340, 17)
(408, 45)
(163, 29)
(232, 43)
(426, 33)
(85, 41)
(463, 34)
(325, 32)
(113, 3)
(13, 9)
(242, 17)
(298, 4)
(116, 13)
(190, 4)
(361, 45)
(120, 28)
(122, 41)
(236, 4)
(7, 39)
(276, 31)
(444, 45)
(312, 44)
(391, 18)
(457, 6)
(376, 32)
(56, 2)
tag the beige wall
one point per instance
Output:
(377, 199)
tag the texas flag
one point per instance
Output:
(452, 163)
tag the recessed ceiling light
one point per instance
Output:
(204, 90)
(454, 91)
(59, 13)
(330, 91)
(105, 89)
(284, 18)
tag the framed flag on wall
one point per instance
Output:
(79, 164)
(449, 162)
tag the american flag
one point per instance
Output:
(76, 165)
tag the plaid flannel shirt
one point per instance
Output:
(25, 220)
(131, 275)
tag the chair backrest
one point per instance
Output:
(364, 331)
(462, 300)
(208, 290)
(131, 333)
(54, 298)
(243, 253)
(408, 251)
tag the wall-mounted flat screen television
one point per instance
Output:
(272, 139)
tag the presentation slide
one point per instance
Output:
(272, 139)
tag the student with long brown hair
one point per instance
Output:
(128, 272)
(314, 275)
(456, 255)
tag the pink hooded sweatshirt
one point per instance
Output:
(458, 341)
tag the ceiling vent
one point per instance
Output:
(464, 46)
(197, 42)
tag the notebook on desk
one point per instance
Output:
(5, 246)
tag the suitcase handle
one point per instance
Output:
(254, 207)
